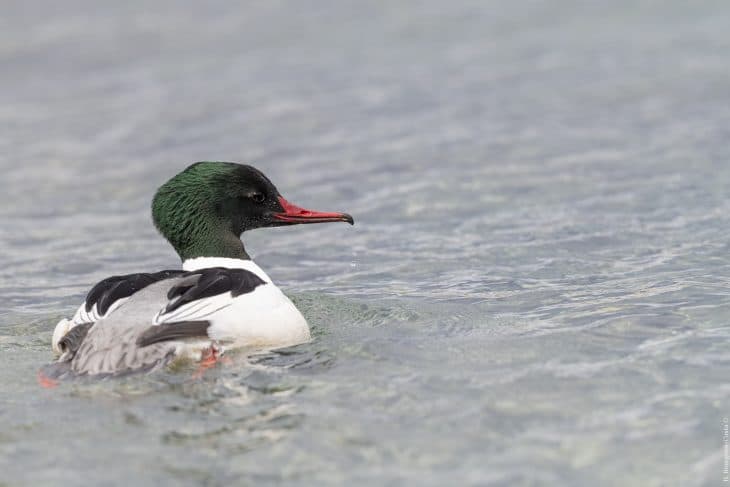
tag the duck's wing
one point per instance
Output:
(103, 299)
(112, 292)
(201, 293)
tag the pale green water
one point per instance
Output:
(536, 289)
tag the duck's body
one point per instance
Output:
(215, 302)
(220, 298)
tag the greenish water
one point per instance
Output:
(536, 288)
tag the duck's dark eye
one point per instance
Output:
(258, 197)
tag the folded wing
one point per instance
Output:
(201, 293)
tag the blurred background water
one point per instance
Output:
(536, 289)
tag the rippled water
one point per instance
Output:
(536, 289)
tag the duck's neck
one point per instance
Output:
(214, 244)
(198, 233)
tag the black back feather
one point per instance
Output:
(211, 282)
(114, 288)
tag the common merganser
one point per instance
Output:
(219, 298)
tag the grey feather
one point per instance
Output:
(110, 346)
(72, 340)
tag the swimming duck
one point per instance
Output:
(220, 297)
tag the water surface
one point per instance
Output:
(536, 289)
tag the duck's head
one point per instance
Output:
(203, 210)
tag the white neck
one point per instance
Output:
(198, 263)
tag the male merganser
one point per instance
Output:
(219, 298)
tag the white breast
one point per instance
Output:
(264, 317)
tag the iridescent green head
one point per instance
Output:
(203, 210)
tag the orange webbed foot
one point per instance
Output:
(46, 382)
(209, 358)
